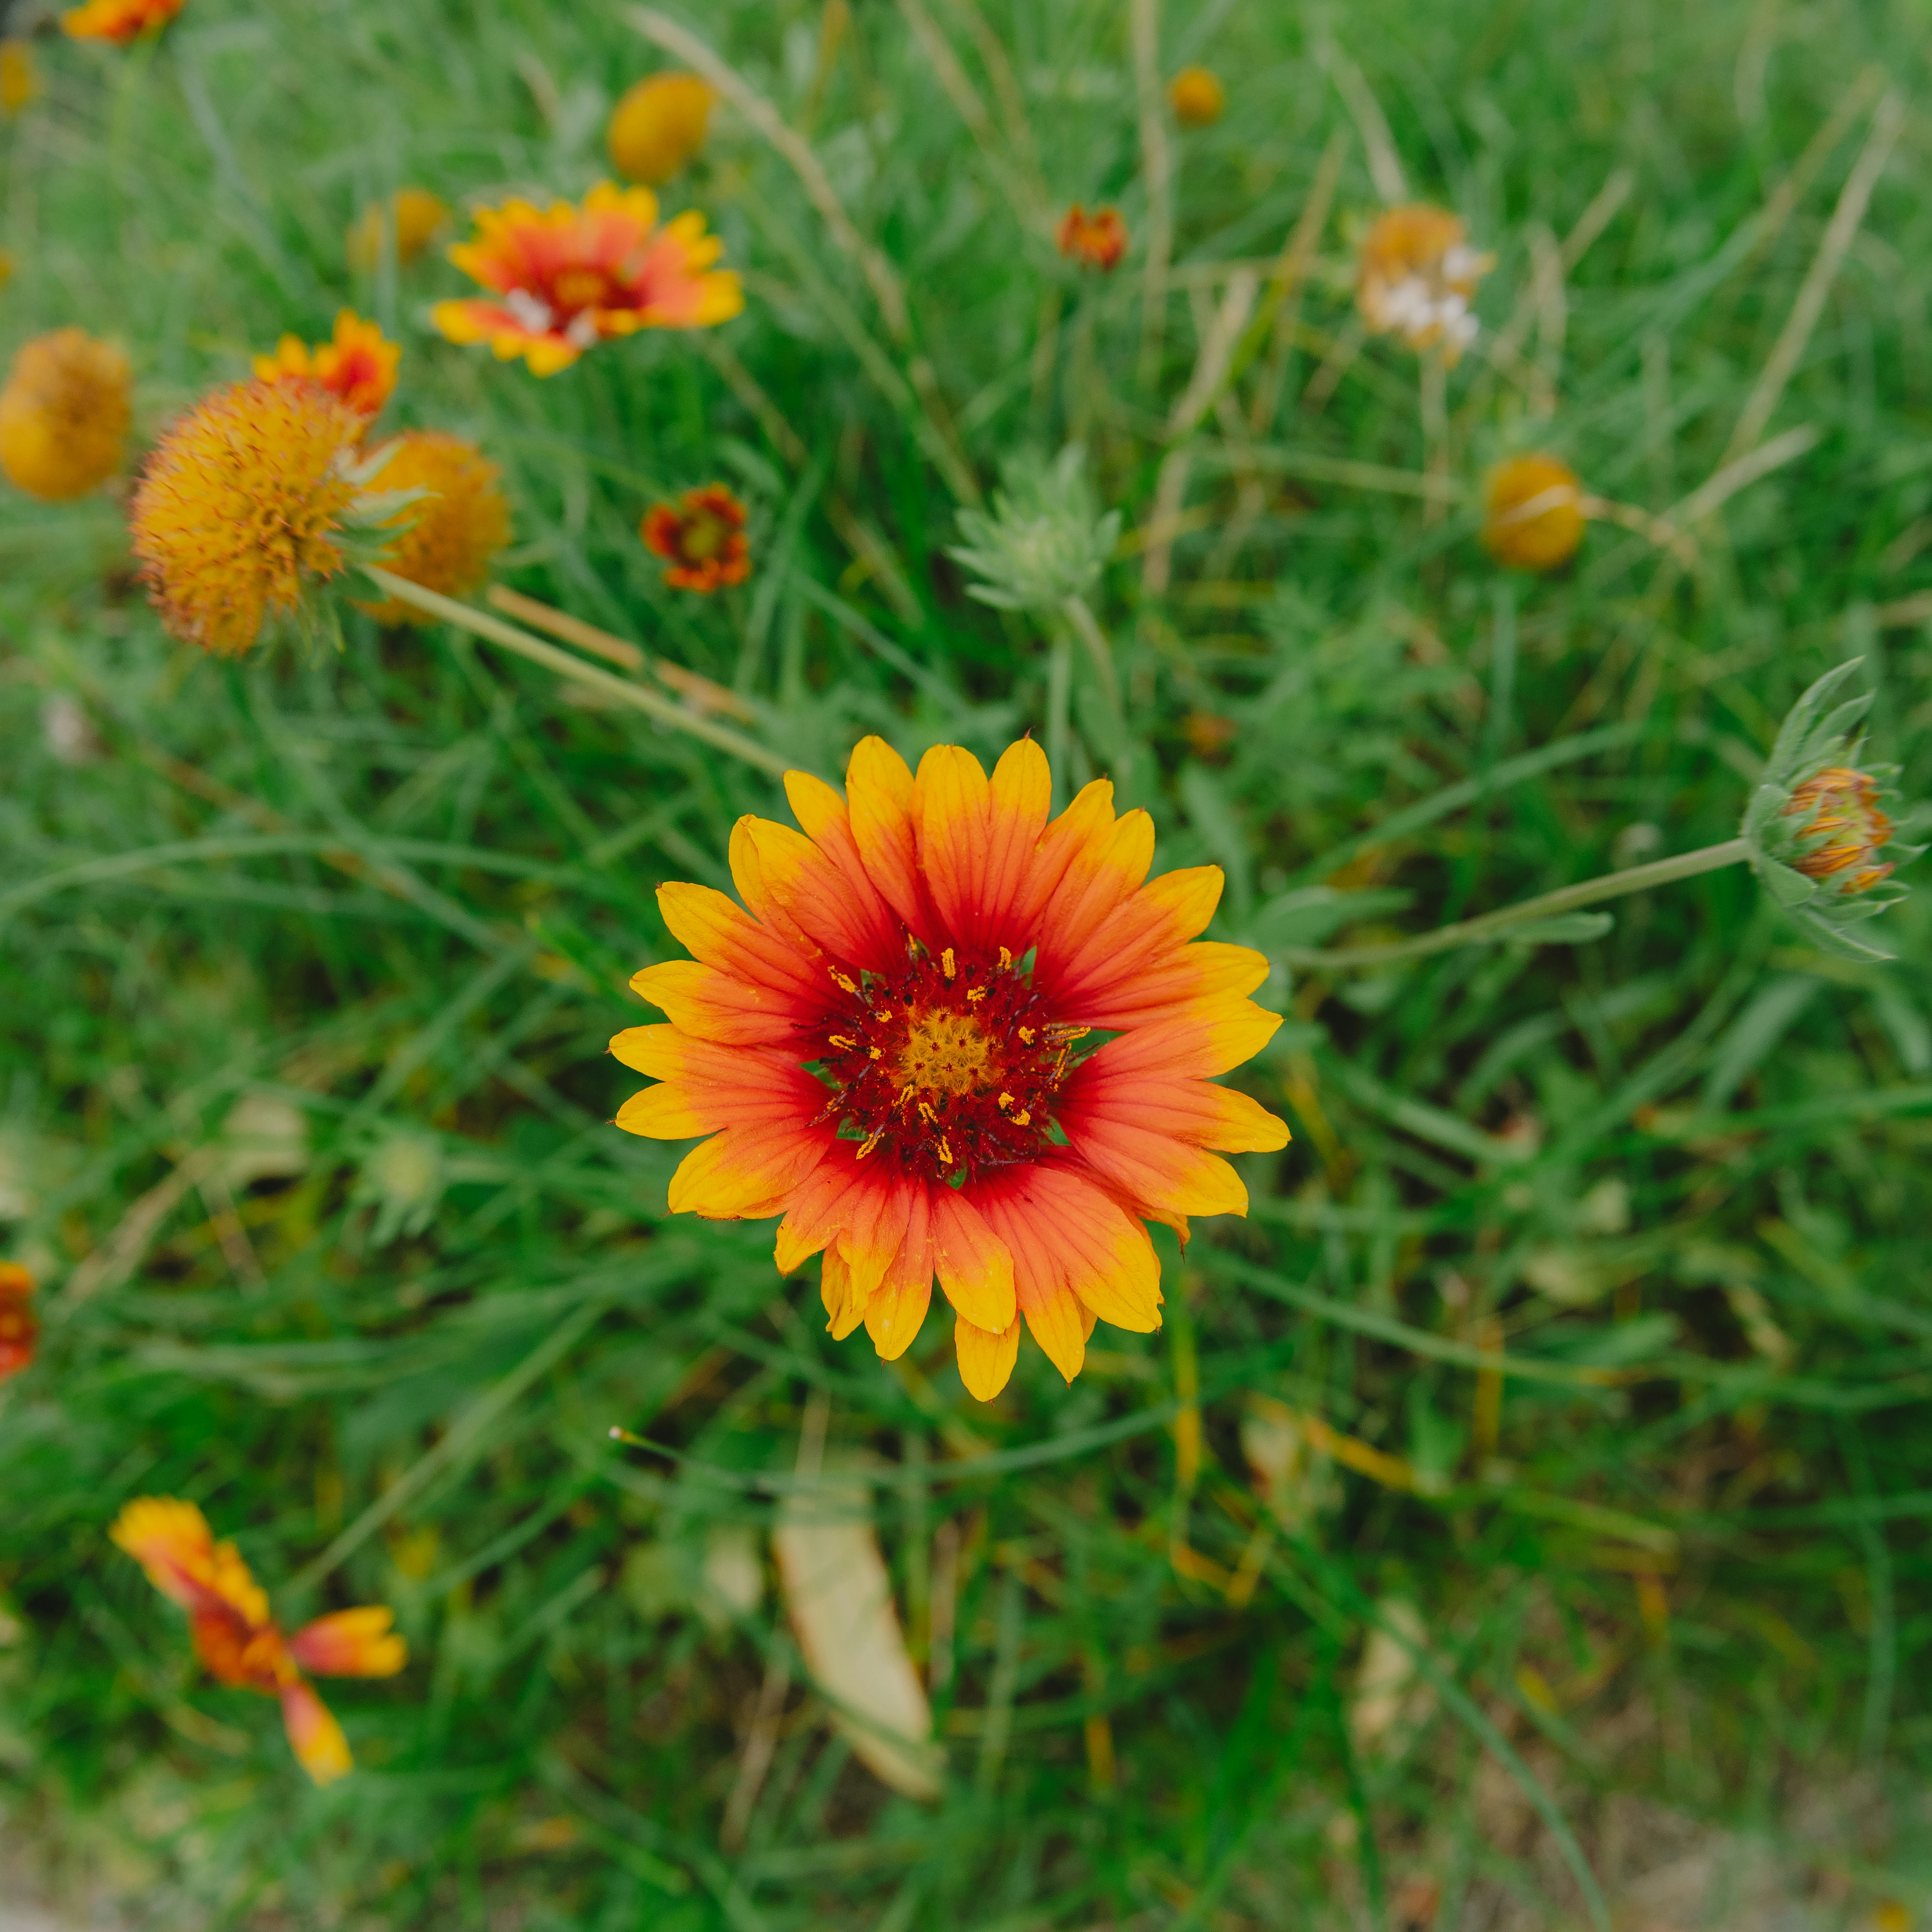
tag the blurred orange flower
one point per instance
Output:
(658, 125)
(563, 280)
(1095, 241)
(19, 1333)
(64, 414)
(119, 21)
(703, 537)
(358, 365)
(1197, 96)
(1532, 513)
(414, 215)
(240, 1644)
(1416, 277)
(18, 83)
(449, 536)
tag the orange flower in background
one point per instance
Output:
(658, 125)
(576, 276)
(1532, 513)
(449, 536)
(241, 509)
(702, 536)
(64, 414)
(240, 1644)
(884, 1049)
(1416, 277)
(1842, 805)
(1095, 241)
(413, 215)
(119, 21)
(19, 1333)
(1197, 96)
(18, 83)
(359, 364)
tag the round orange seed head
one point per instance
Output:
(449, 536)
(658, 125)
(1532, 513)
(64, 414)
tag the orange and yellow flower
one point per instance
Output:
(413, 215)
(1532, 513)
(1841, 807)
(449, 535)
(242, 507)
(883, 1045)
(562, 281)
(240, 1644)
(359, 364)
(1197, 96)
(119, 21)
(64, 414)
(1095, 241)
(658, 125)
(702, 536)
(1416, 277)
(19, 1333)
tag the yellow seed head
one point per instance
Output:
(1197, 96)
(1532, 513)
(240, 509)
(449, 536)
(413, 213)
(658, 125)
(63, 415)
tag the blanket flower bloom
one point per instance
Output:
(1095, 241)
(119, 21)
(451, 532)
(239, 1643)
(658, 125)
(19, 1333)
(64, 414)
(242, 507)
(562, 281)
(1197, 96)
(413, 215)
(1416, 277)
(882, 1044)
(359, 364)
(1532, 513)
(702, 536)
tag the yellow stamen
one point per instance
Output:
(875, 1052)
(1023, 1118)
(975, 995)
(945, 1153)
(1005, 1101)
(905, 1094)
(1028, 1034)
(839, 980)
(1006, 959)
(839, 1040)
(926, 1114)
(947, 963)
(871, 1141)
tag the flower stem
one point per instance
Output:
(1059, 692)
(1084, 621)
(1547, 905)
(566, 663)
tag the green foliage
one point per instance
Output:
(306, 967)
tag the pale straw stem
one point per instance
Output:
(1371, 124)
(1717, 490)
(1156, 167)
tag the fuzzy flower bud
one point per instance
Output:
(1045, 540)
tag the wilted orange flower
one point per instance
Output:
(241, 509)
(658, 125)
(884, 1049)
(1416, 278)
(575, 276)
(413, 214)
(18, 83)
(449, 536)
(1197, 96)
(1532, 513)
(120, 21)
(64, 414)
(1095, 241)
(240, 1644)
(703, 534)
(1842, 806)
(18, 1331)
(358, 365)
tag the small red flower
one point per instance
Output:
(18, 1331)
(703, 537)
(1095, 241)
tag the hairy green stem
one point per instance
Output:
(567, 664)
(1088, 626)
(1547, 905)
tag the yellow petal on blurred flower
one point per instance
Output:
(18, 83)
(1416, 277)
(658, 125)
(1197, 96)
(840, 1599)
(119, 21)
(1532, 513)
(413, 215)
(64, 414)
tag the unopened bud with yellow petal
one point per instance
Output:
(1197, 96)
(64, 414)
(658, 125)
(1532, 513)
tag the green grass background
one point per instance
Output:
(1693, 1151)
